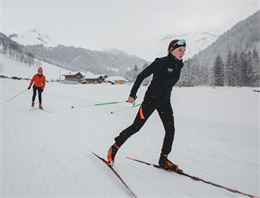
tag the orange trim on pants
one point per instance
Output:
(141, 113)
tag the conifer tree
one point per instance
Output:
(218, 71)
(236, 69)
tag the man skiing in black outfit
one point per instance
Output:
(166, 72)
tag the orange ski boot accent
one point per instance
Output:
(165, 163)
(112, 153)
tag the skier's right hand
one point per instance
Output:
(131, 99)
(29, 87)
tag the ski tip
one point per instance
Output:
(92, 152)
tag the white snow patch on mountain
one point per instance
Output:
(32, 37)
(196, 42)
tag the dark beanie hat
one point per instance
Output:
(175, 44)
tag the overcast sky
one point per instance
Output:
(130, 25)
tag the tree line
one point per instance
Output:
(235, 69)
(238, 69)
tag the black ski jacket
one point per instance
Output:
(166, 73)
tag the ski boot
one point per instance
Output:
(40, 106)
(112, 153)
(32, 104)
(166, 164)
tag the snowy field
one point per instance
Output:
(47, 154)
(10, 67)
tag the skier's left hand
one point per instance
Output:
(42, 89)
(131, 99)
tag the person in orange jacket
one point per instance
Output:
(38, 81)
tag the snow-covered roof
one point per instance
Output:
(115, 78)
(91, 75)
(74, 73)
(88, 75)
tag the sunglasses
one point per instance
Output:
(181, 42)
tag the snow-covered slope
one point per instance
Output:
(10, 67)
(47, 154)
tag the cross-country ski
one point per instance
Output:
(192, 177)
(131, 193)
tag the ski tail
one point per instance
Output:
(131, 193)
(195, 178)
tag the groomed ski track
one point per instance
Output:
(46, 154)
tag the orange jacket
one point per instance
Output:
(38, 80)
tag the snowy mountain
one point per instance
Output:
(109, 61)
(112, 62)
(242, 37)
(16, 61)
(242, 41)
(14, 50)
(7, 44)
(32, 37)
(196, 41)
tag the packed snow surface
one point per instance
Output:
(46, 154)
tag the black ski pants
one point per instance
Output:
(146, 109)
(35, 89)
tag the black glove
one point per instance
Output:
(29, 87)
(42, 89)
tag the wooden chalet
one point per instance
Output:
(94, 79)
(74, 77)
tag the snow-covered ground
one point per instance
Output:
(10, 67)
(47, 154)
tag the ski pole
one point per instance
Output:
(16, 95)
(99, 104)
(125, 109)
